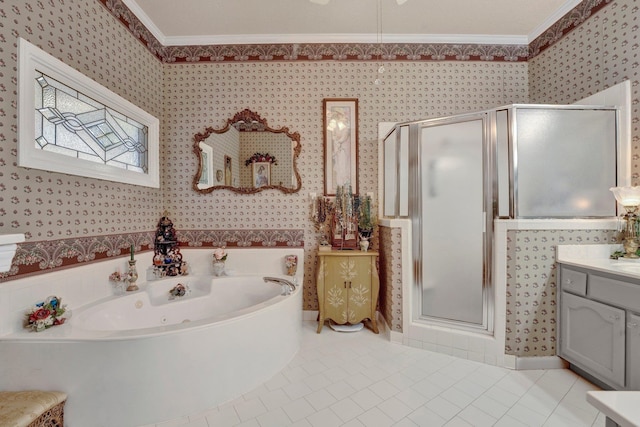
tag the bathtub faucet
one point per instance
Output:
(287, 286)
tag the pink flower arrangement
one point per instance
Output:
(116, 276)
(219, 254)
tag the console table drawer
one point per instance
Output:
(621, 294)
(573, 281)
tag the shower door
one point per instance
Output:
(453, 203)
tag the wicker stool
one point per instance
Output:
(32, 408)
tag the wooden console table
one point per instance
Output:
(348, 287)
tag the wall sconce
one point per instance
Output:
(629, 198)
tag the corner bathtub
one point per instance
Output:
(141, 358)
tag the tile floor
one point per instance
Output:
(362, 380)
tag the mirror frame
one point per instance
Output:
(246, 116)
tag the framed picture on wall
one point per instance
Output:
(340, 125)
(228, 177)
(206, 175)
(261, 174)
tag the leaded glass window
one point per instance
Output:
(70, 123)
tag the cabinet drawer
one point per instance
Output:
(616, 292)
(573, 281)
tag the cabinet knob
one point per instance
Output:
(632, 325)
(569, 282)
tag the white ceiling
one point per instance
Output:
(206, 22)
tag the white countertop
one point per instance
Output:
(623, 407)
(597, 257)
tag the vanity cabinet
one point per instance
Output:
(599, 325)
(633, 351)
(348, 287)
(592, 337)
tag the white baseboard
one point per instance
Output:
(396, 337)
(309, 315)
(543, 362)
(382, 325)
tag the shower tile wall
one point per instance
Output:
(290, 94)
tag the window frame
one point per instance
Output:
(31, 59)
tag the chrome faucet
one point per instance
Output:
(287, 286)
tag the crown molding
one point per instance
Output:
(567, 7)
(397, 46)
(325, 38)
(146, 21)
(249, 39)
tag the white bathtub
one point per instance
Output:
(151, 311)
(140, 358)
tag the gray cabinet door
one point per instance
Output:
(633, 352)
(592, 336)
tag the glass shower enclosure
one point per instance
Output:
(451, 177)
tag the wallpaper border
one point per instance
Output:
(565, 25)
(346, 52)
(33, 258)
(353, 52)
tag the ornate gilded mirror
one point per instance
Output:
(247, 156)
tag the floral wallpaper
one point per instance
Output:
(225, 146)
(602, 50)
(69, 219)
(278, 145)
(390, 262)
(290, 94)
(570, 21)
(192, 87)
(531, 286)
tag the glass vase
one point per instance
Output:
(218, 268)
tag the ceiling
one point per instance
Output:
(209, 22)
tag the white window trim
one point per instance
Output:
(32, 59)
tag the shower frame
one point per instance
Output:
(416, 215)
(400, 192)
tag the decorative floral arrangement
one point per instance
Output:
(46, 314)
(258, 157)
(117, 277)
(322, 209)
(346, 211)
(366, 215)
(219, 254)
(291, 263)
(179, 290)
